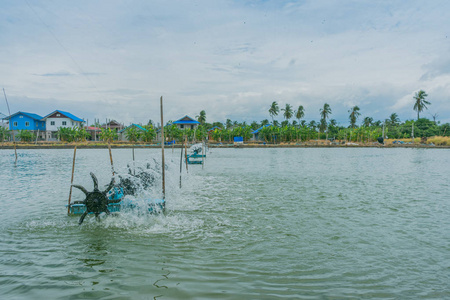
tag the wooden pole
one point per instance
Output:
(110, 157)
(181, 164)
(162, 152)
(71, 180)
(185, 153)
(203, 154)
(134, 164)
(14, 139)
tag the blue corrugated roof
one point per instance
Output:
(135, 125)
(67, 114)
(190, 121)
(33, 116)
(259, 129)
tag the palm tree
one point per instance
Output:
(287, 112)
(354, 114)
(420, 103)
(393, 119)
(202, 117)
(228, 123)
(274, 109)
(300, 113)
(367, 121)
(324, 112)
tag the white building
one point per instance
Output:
(58, 119)
(3, 121)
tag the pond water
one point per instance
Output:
(251, 224)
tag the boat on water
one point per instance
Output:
(194, 157)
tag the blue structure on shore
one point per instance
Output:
(28, 121)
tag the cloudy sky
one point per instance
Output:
(114, 59)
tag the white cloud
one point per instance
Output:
(231, 59)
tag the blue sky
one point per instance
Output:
(114, 59)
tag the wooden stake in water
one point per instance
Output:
(185, 153)
(203, 154)
(71, 180)
(14, 139)
(162, 152)
(134, 165)
(181, 164)
(110, 157)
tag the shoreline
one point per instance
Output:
(8, 146)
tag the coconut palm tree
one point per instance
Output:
(300, 113)
(420, 102)
(274, 109)
(354, 114)
(393, 119)
(368, 121)
(287, 112)
(202, 117)
(324, 113)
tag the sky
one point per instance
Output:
(115, 59)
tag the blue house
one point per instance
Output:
(26, 121)
(186, 122)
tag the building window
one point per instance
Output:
(58, 115)
(27, 124)
(72, 123)
(21, 117)
(15, 124)
(52, 122)
(181, 126)
(192, 126)
(64, 123)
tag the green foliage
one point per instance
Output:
(202, 117)
(149, 135)
(4, 133)
(354, 114)
(25, 135)
(274, 109)
(71, 134)
(133, 134)
(419, 102)
(108, 135)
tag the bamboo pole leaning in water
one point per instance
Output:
(14, 139)
(162, 152)
(71, 180)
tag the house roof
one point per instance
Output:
(134, 125)
(214, 128)
(186, 120)
(259, 129)
(33, 116)
(2, 116)
(67, 114)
